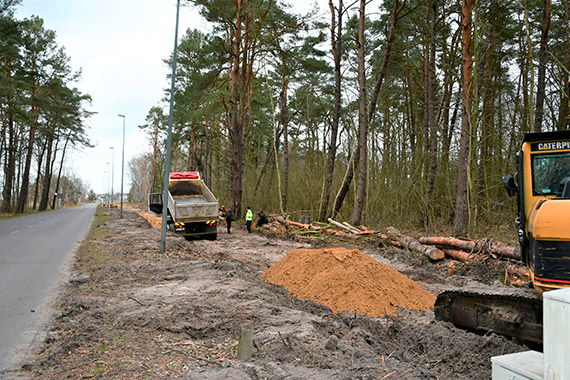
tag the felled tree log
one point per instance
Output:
(457, 255)
(464, 245)
(275, 228)
(339, 233)
(280, 219)
(522, 272)
(473, 246)
(452, 266)
(300, 225)
(352, 230)
(505, 250)
(305, 226)
(412, 244)
(366, 230)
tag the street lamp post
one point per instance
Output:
(108, 185)
(169, 137)
(112, 175)
(122, 164)
(104, 186)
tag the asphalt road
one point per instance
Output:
(33, 250)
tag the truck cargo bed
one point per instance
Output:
(191, 201)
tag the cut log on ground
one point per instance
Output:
(505, 250)
(522, 272)
(300, 225)
(473, 246)
(458, 255)
(352, 230)
(464, 245)
(366, 230)
(452, 266)
(278, 228)
(412, 244)
(340, 233)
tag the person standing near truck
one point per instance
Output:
(229, 217)
(248, 219)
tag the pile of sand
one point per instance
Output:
(154, 220)
(347, 279)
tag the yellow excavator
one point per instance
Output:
(542, 187)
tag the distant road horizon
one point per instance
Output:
(33, 251)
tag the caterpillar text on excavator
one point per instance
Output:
(542, 187)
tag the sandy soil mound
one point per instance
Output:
(154, 220)
(347, 280)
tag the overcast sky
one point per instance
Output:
(119, 45)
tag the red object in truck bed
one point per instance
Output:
(184, 175)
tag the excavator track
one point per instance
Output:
(509, 313)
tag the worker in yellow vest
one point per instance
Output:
(248, 219)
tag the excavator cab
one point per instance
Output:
(542, 186)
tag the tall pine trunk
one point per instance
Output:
(431, 125)
(9, 168)
(461, 216)
(208, 156)
(362, 122)
(154, 157)
(285, 128)
(541, 90)
(564, 112)
(355, 158)
(336, 43)
(47, 176)
(488, 115)
(347, 180)
(59, 172)
(38, 175)
(235, 127)
(24, 190)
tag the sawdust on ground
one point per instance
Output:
(347, 280)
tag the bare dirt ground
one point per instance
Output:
(129, 312)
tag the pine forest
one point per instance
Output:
(395, 112)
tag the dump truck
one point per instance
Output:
(192, 208)
(542, 188)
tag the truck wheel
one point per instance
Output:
(213, 236)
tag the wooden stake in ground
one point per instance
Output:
(245, 344)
